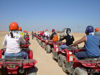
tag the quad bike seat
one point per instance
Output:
(91, 59)
(14, 57)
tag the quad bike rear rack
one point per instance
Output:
(18, 62)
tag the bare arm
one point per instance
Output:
(83, 39)
(5, 41)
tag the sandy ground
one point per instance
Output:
(46, 65)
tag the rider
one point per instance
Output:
(69, 39)
(41, 33)
(26, 37)
(46, 34)
(32, 34)
(12, 42)
(54, 36)
(97, 33)
(20, 32)
(25, 34)
(91, 44)
(53, 33)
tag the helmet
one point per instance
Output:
(25, 31)
(68, 30)
(89, 29)
(20, 29)
(96, 29)
(46, 29)
(53, 30)
(13, 26)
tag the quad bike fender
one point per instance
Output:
(30, 54)
(56, 48)
(1, 54)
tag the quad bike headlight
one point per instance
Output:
(71, 58)
(70, 52)
(56, 46)
(57, 49)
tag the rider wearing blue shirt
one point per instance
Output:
(91, 44)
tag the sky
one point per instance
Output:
(50, 14)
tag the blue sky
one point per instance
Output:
(42, 14)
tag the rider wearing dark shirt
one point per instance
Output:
(69, 39)
(53, 33)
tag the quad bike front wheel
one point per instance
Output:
(39, 41)
(0, 72)
(79, 71)
(64, 64)
(54, 55)
(43, 45)
(60, 59)
(48, 49)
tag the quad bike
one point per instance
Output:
(49, 45)
(17, 65)
(43, 43)
(74, 66)
(55, 49)
(38, 38)
(26, 37)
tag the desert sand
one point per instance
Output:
(46, 65)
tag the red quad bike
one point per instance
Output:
(27, 39)
(43, 43)
(55, 49)
(38, 39)
(36, 36)
(57, 53)
(18, 65)
(49, 45)
(74, 66)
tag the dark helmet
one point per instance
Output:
(68, 30)
(89, 29)
(53, 30)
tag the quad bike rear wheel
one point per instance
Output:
(3, 71)
(79, 71)
(60, 59)
(0, 72)
(64, 64)
(48, 49)
(43, 45)
(54, 55)
(30, 71)
(39, 41)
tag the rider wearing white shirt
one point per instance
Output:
(12, 42)
(46, 34)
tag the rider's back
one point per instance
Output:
(92, 46)
(13, 44)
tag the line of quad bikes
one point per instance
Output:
(68, 61)
(18, 65)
